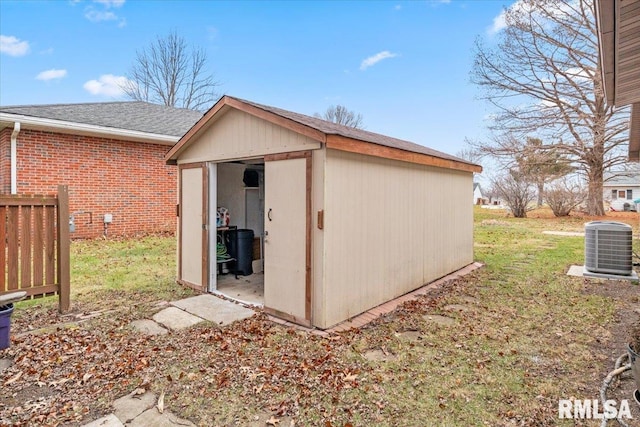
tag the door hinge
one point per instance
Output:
(321, 220)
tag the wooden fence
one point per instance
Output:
(35, 232)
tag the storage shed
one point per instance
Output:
(344, 219)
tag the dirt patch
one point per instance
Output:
(627, 298)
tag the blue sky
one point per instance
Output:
(403, 65)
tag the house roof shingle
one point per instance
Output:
(129, 115)
(626, 179)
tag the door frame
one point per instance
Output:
(307, 155)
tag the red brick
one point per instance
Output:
(126, 179)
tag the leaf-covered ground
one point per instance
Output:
(524, 336)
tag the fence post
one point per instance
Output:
(64, 262)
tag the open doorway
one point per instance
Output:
(237, 193)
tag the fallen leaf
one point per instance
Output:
(273, 421)
(351, 377)
(160, 404)
(13, 379)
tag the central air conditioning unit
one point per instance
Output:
(607, 248)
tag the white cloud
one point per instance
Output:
(499, 23)
(397, 7)
(110, 3)
(212, 32)
(51, 74)
(373, 60)
(526, 7)
(99, 16)
(103, 13)
(13, 46)
(578, 73)
(107, 85)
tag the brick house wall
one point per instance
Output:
(129, 180)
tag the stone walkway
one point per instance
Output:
(141, 408)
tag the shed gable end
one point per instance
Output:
(237, 135)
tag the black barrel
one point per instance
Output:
(243, 253)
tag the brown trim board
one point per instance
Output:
(288, 156)
(309, 225)
(289, 317)
(342, 143)
(205, 231)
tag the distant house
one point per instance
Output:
(109, 154)
(478, 198)
(622, 188)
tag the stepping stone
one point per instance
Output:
(378, 356)
(410, 335)
(565, 233)
(132, 405)
(108, 421)
(576, 271)
(152, 417)
(214, 309)
(176, 319)
(5, 364)
(148, 327)
(439, 320)
(457, 307)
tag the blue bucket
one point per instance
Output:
(5, 325)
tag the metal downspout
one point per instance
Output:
(14, 158)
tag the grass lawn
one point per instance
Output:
(524, 336)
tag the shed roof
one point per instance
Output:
(132, 115)
(332, 134)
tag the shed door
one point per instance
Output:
(286, 253)
(193, 238)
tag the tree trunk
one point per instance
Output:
(595, 206)
(540, 193)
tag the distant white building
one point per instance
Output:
(478, 198)
(621, 188)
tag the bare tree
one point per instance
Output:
(342, 115)
(470, 155)
(564, 196)
(168, 72)
(543, 76)
(541, 165)
(516, 191)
